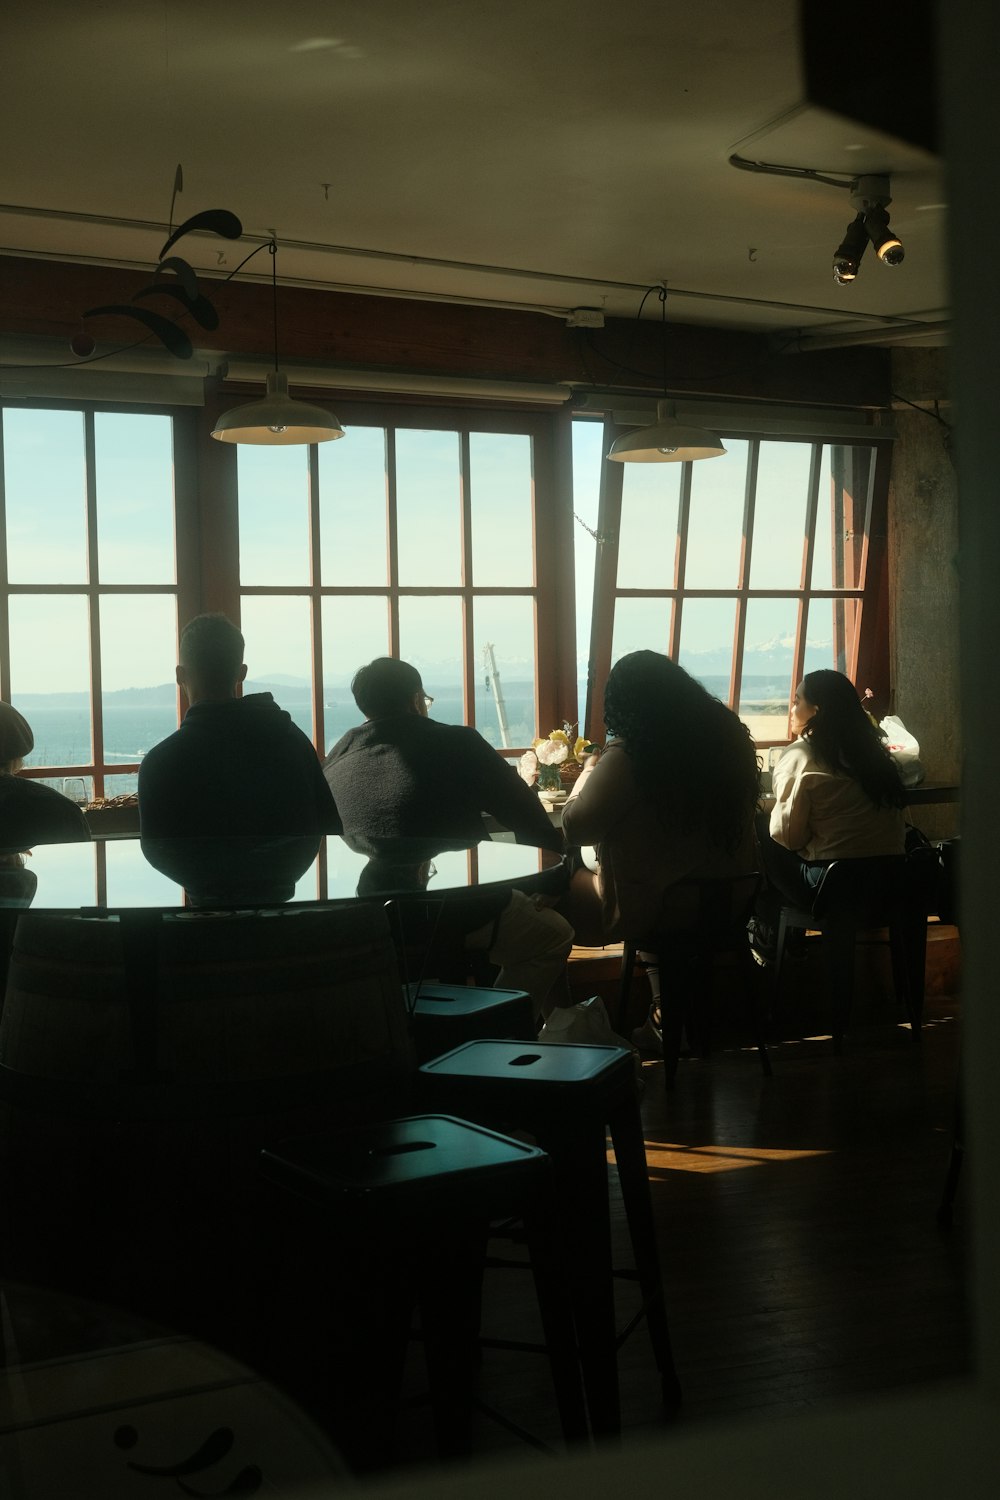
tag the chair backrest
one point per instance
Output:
(177, 1008)
(865, 890)
(144, 1065)
(712, 912)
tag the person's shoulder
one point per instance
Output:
(165, 748)
(798, 755)
(352, 740)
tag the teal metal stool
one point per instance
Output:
(443, 1016)
(405, 1206)
(568, 1097)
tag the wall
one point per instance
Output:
(923, 573)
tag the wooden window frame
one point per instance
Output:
(551, 591)
(868, 661)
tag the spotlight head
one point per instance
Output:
(888, 246)
(847, 256)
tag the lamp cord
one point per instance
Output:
(273, 252)
(663, 334)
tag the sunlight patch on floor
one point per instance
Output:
(679, 1158)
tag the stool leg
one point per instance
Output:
(582, 1175)
(839, 938)
(752, 996)
(556, 1310)
(633, 1174)
(450, 1297)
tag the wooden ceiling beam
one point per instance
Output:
(48, 298)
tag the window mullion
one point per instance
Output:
(680, 561)
(746, 563)
(315, 602)
(93, 591)
(468, 580)
(392, 538)
(4, 581)
(602, 624)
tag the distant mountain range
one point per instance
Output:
(285, 689)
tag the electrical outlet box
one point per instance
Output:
(585, 317)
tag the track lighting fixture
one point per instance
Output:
(847, 256)
(869, 197)
(887, 245)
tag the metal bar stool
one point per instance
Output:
(443, 1016)
(568, 1096)
(405, 1206)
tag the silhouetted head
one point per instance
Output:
(388, 686)
(828, 713)
(690, 751)
(16, 739)
(211, 659)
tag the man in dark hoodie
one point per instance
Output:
(236, 767)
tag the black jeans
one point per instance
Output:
(788, 880)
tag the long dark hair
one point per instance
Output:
(845, 739)
(691, 751)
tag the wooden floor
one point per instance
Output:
(797, 1226)
(796, 1220)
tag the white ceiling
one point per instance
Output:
(541, 153)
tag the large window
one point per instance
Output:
(88, 589)
(749, 569)
(427, 537)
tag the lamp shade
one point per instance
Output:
(667, 441)
(277, 420)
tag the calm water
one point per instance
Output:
(62, 734)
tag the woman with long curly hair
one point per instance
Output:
(837, 792)
(671, 798)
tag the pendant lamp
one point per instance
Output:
(667, 440)
(278, 420)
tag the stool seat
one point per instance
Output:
(405, 1205)
(443, 1016)
(422, 1160)
(568, 1095)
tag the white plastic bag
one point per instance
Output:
(904, 749)
(587, 1022)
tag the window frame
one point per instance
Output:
(869, 655)
(551, 590)
(184, 589)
